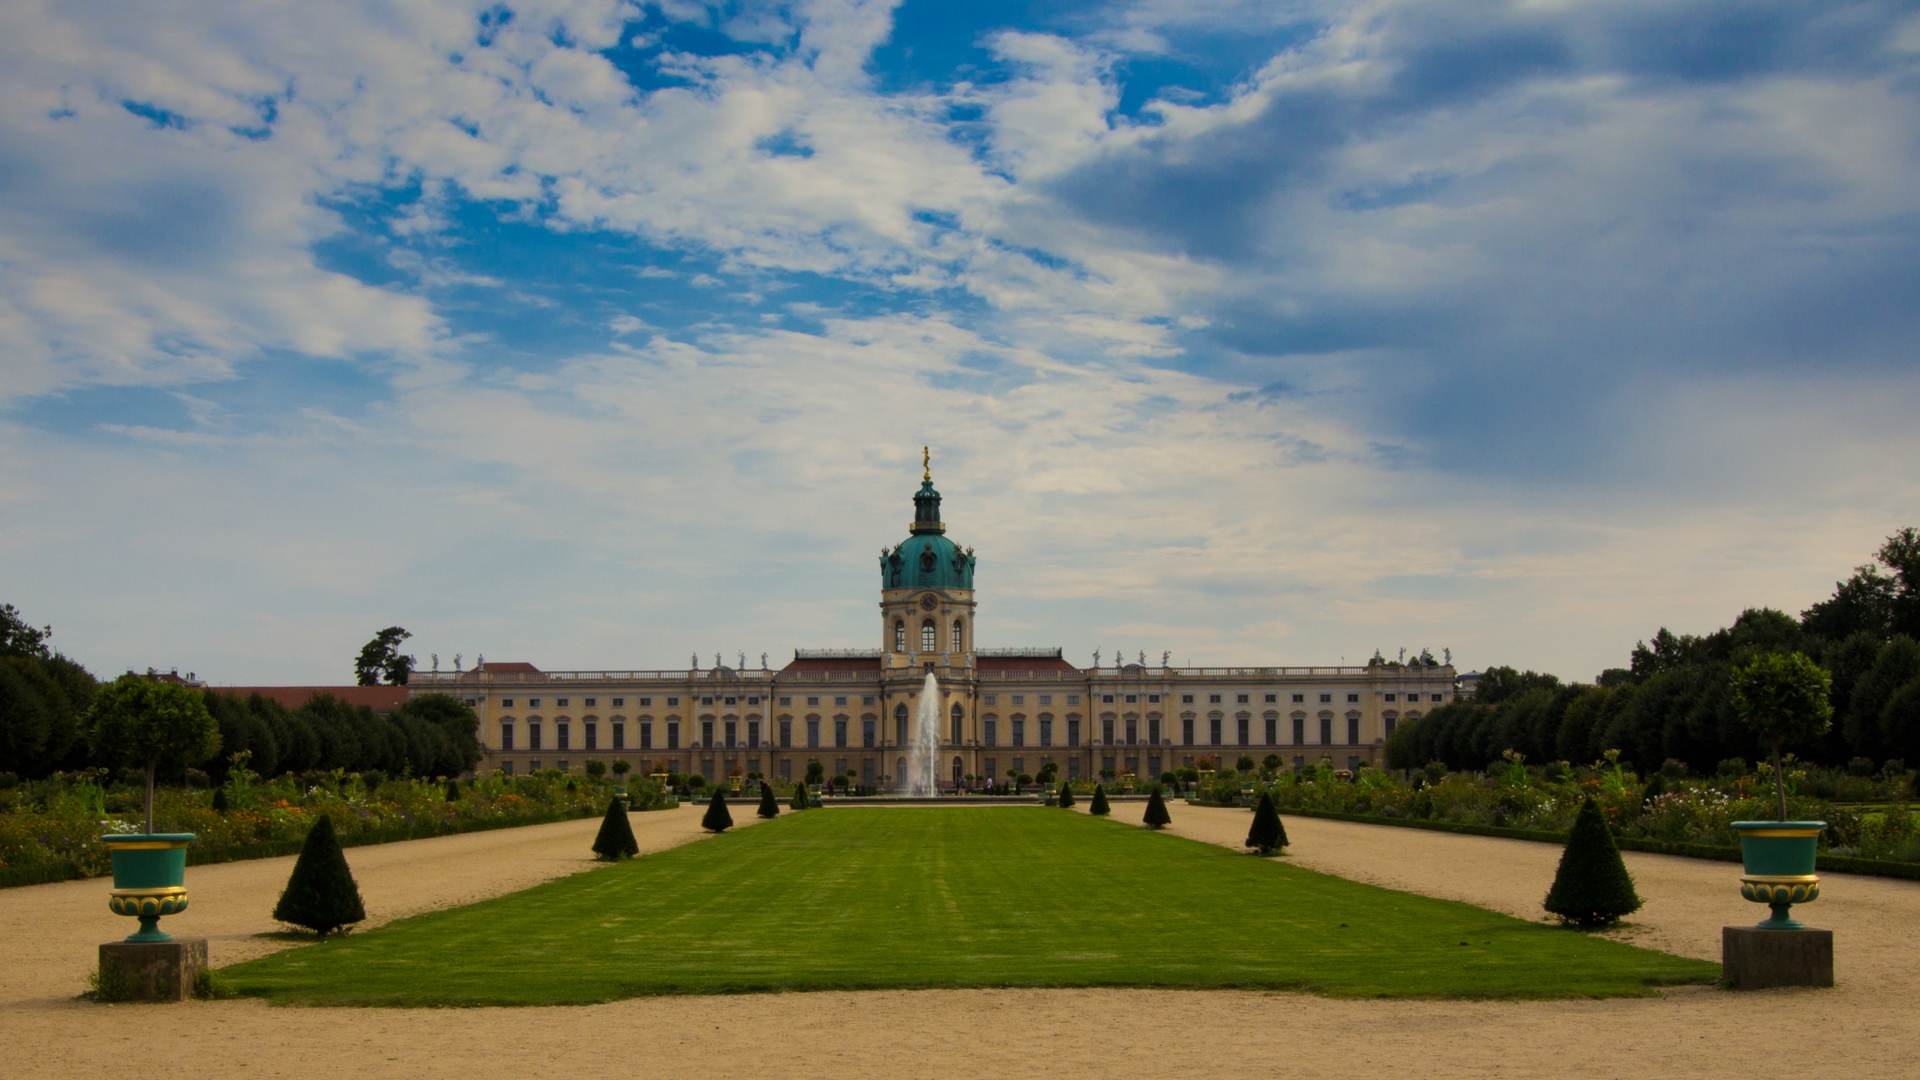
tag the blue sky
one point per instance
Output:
(596, 333)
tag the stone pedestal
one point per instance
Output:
(152, 970)
(1754, 959)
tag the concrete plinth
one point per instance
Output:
(1753, 959)
(152, 970)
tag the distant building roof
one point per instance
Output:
(511, 667)
(1024, 660)
(855, 662)
(381, 699)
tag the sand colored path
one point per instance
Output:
(1867, 1027)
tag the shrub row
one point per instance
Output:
(1838, 864)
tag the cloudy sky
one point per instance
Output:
(597, 332)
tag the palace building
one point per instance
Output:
(1006, 711)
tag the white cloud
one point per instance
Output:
(727, 487)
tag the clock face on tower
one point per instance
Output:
(927, 602)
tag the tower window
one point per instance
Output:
(899, 636)
(959, 632)
(929, 637)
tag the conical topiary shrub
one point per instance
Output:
(453, 791)
(220, 800)
(717, 819)
(1157, 816)
(1267, 835)
(616, 841)
(1066, 795)
(321, 894)
(1592, 887)
(1098, 807)
(799, 800)
(768, 807)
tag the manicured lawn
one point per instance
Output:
(884, 898)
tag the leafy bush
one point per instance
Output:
(596, 768)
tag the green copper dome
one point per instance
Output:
(927, 559)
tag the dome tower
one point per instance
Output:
(926, 590)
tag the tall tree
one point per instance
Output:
(1861, 604)
(1901, 554)
(381, 659)
(1783, 698)
(21, 638)
(150, 722)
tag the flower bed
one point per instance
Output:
(50, 830)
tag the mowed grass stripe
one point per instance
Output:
(951, 897)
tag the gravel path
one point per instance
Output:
(1866, 1027)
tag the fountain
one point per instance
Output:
(923, 758)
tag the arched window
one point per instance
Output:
(958, 715)
(899, 636)
(959, 635)
(929, 637)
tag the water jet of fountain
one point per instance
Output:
(923, 758)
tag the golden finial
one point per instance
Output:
(926, 463)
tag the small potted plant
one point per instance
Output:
(1783, 699)
(145, 721)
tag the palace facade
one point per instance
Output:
(1006, 711)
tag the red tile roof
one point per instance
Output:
(381, 699)
(511, 667)
(1023, 663)
(833, 663)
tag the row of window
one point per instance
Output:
(1127, 731)
(989, 766)
(990, 699)
(929, 635)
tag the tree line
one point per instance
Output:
(44, 698)
(1674, 700)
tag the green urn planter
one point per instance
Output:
(1778, 859)
(149, 878)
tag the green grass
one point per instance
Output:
(888, 898)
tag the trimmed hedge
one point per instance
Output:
(1838, 864)
(198, 855)
(268, 849)
(38, 874)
